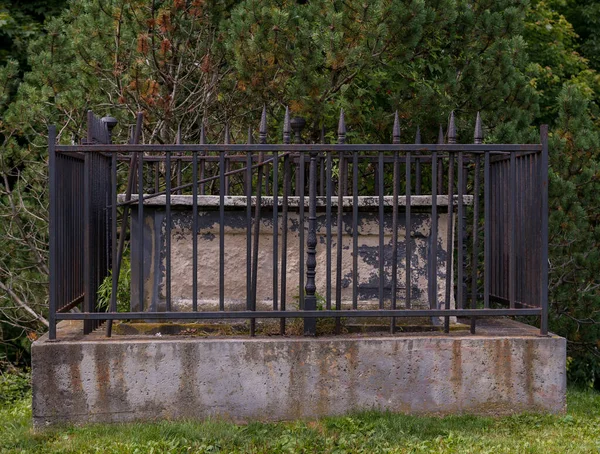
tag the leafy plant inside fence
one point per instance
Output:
(123, 287)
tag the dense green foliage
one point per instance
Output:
(576, 432)
(21, 22)
(569, 90)
(520, 63)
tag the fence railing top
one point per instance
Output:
(161, 148)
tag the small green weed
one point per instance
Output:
(123, 288)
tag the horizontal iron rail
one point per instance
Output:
(200, 182)
(299, 314)
(502, 300)
(76, 302)
(388, 159)
(157, 148)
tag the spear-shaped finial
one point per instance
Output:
(396, 129)
(418, 136)
(342, 128)
(478, 130)
(178, 136)
(451, 129)
(262, 132)
(441, 135)
(250, 137)
(287, 128)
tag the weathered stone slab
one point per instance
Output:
(155, 261)
(504, 369)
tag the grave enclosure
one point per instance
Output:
(417, 254)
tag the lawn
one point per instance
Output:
(576, 432)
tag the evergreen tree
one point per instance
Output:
(422, 58)
(575, 234)
(219, 61)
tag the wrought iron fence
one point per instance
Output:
(488, 257)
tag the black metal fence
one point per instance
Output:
(495, 197)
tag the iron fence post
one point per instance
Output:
(53, 232)
(310, 300)
(544, 270)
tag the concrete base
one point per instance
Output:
(505, 368)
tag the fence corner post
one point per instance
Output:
(53, 232)
(544, 211)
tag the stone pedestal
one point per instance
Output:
(507, 368)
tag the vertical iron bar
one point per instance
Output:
(408, 229)
(131, 177)
(88, 235)
(395, 182)
(310, 302)
(380, 185)
(328, 196)
(141, 230)
(521, 239)
(478, 139)
(487, 243)
(275, 228)
(494, 227)
(195, 230)
(222, 192)
(475, 264)
(249, 224)
(284, 238)
(113, 265)
(256, 236)
(55, 276)
(433, 261)
(450, 238)
(459, 231)
(355, 230)
(544, 233)
(340, 220)
(339, 237)
(301, 229)
(512, 278)
(284, 221)
(262, 138)
(168, 228)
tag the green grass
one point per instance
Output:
(576, 432)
